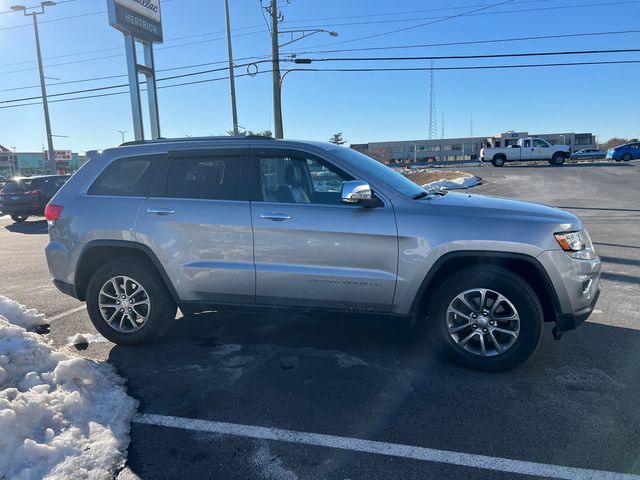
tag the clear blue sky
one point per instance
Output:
(366, 107)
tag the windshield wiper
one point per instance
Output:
(420, 195)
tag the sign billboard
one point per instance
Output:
(140, 18)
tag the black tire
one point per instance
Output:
(498, 161)
(19, 218)
(558, 158)
(511, 286)
(162, 307)
(626, 157)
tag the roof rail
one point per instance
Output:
(196, 139)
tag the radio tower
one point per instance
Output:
(433, 128)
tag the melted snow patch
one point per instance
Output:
(61, 416)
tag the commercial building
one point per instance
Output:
(461, 149)
(33, 163)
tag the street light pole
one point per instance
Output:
(43, 88)
(122, 132)
(275, 60)
(232, 81)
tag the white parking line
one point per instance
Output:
(67, 313)
(383, 448)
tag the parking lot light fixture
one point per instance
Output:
(34, 15)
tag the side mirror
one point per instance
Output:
(356, 191)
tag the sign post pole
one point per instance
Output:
(134, 86)
(139, 21)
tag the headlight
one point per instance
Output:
(576, 244)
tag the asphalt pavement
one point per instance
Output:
(351, 397)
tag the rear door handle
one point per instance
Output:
(160, 211)
(276, 217)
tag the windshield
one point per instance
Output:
(382, 173)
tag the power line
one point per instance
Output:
(110, 87)
(447, 57)
(356, 70)
(125, 92)
(450, 17)
(470, 13)
(122, 54)
(85, 52)
(470, 42)
(469, 67)
(405, 12)
(467, 57)
(499, 12)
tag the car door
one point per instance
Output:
(540, 149)
(310, 248)
(526, 149)
(198, 224)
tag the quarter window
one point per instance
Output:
(128, 177)
(204, 178)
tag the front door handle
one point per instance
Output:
(160, 211)
(276, 217)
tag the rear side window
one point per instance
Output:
(209, 178)
(127, 177)
(13, 187)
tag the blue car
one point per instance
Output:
(624, 153)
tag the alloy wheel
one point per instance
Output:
(483, 322)
(124, 304)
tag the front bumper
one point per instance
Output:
(577, 286)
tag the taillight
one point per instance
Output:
(52, 213)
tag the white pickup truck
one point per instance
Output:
(527, 149)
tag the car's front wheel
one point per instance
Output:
(128, 303)
(489, 318)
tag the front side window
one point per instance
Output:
(207, 178)
(290, 179)
(540, 143)
(128, 177)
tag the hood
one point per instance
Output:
(494, 207)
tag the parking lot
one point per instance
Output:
(339, 397)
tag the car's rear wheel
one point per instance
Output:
(488, 318)
(19, 218)
(626, 157)
(128, 303)
(498, 161)
(558, 158)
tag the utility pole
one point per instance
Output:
(442, 125)
(43, 88)
(232, 81)
(275, 58)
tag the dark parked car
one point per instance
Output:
(3, 180)
(22, 197)
(589, 154)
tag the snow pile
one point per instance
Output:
(61, 416)
(466, 181)
(20, 315)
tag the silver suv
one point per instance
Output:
(230, 223)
